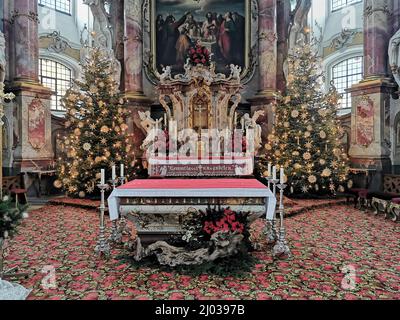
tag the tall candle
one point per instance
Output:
(122, 170)
(274, 173)
(269, 169)
(165, 121)
(103, 177)
(282, 176)
(114, 172)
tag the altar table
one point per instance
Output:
(153, 195)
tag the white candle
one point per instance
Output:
(269, 169)
(122, 170)
(114, 172)
(282, 176)
(165, 121)
(103, 177)
(274, 173)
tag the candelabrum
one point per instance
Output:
(116, 235)
(281, 247)
(103, 247)
(271, 233)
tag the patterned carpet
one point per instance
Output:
(323, 241)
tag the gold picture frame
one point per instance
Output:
(153, 39)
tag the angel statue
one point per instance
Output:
(166, 75)
(148, 123)
(394, 50)
(235, 72)
(249, 123)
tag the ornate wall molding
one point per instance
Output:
(58, 43)
(372, 9)
(31, 16)
(344, 39)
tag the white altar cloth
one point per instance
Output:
(200, 188)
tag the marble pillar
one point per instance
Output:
(118, 26)
(283, 22)
(377, 32)
(268, 41)
(396, 16)
(133, 70)
(133, 49)
(24, 19)
(370, 137)
(31, 109)
(268, 47)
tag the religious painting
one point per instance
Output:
(365, 122)
(221, 26)
(36, 124)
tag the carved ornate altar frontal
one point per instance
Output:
(156, 206)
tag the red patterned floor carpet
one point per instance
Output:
(323, 241)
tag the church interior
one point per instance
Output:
(200, 149)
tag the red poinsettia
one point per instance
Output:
(199, 55)
(228, 223)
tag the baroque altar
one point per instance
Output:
(202, 141)
(201, 133)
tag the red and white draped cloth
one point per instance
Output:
(202, 188)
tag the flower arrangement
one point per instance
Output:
(199, 227)
(228, 223)
(199, 55)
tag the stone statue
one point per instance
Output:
(235, 72)
(2, 58)
(250, 123)
(166, 75)
(103, 35)
(394, 54)
(298, 34)
(148, 123)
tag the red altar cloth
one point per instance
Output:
(181, 184)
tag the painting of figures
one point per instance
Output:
(218, 25)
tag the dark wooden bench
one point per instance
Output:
(382, 202)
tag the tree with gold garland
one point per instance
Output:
(96, 120)
(306, 138)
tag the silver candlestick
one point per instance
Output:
(270, 232)
(103, 247)
(281, 248)
(116, 235)
(122, 181)
(122, 221)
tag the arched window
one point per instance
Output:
(63, 6)
(344, 75)
(339, 4)
(57, 77)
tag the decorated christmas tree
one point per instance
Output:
(10, 217)
(96, 121)
(306, 139)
